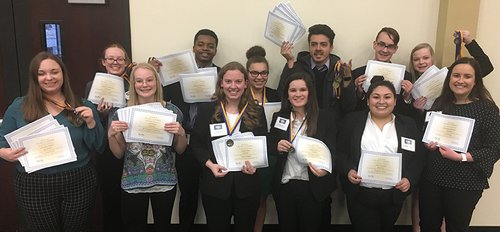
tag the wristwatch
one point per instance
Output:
(464, 157)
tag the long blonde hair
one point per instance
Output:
(158, 97)
(414, 75)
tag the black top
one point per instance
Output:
(243, 184)
(347, 101)
(349, 151)
(484, 147)
(321, 187)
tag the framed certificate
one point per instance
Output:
(380, 168)
(198, 87)
(174, 64)
(241, 149)
(392, 72)
(450, 131)
(314, 151)
(109, 87)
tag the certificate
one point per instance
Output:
(269, 109)
(48, 149)
(109, 87)
(174, 64)
(285, 10)
(198, 87)
(449, 131)
(147, 126)
(392, 72)
(314, 151)
(241, 149)
(429, 87)
(279, 29)
(380, 168)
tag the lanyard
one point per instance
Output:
(294, 135)
(230, 129)
(263, 96)
(64, 105)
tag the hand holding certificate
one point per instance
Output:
(198, 87)
(174, 64)
(429, 85)
(109, 87)
(380, 168)
(252, 149)
(448, 130)
(314, 151)
(48, 144)
(392, 72)
(146, 124)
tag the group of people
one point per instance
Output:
(321, 97)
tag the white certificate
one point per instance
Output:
(174, 64)
(147, 126)
(279, 29)
(269, 109)
(286, 11)
(241, 149)
(392, 72)
(314, 151)
(380, 168)
(429, 86)
(450, 131)
(198, 87)
(109, 87)
(48, 149)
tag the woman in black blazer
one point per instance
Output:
(300, 190)
(227, 194)
(258, 73)
(375, 207)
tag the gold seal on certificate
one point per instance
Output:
(380, 168)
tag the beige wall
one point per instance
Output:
(488, 209)
(160, 27)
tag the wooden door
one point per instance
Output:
(85, 30)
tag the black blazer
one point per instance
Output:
(349, 151)
(245, 185)
(272, 95)
(321, 187)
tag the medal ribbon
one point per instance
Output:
(230, 129)
(337, 79)
(65, 106)
(293, 135)
(458, 45)
(263, 96)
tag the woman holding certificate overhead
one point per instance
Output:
(454, 181)
(258, 72)
(380, 160)
(303, 179)
(148, 168)
(232, 116)
(58, 196)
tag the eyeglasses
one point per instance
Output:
(390, 47)
(256, 74)
(119, 60)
